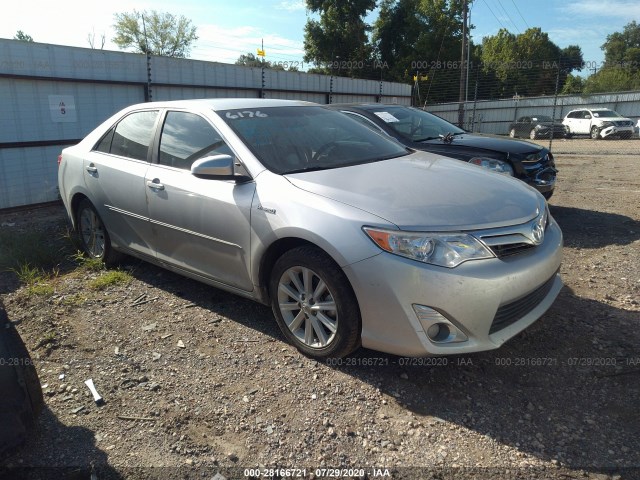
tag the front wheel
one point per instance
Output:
(533, 134)
(94, 237)
(314, 304)
(512, 133)
(595, 133)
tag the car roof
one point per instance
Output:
(225, 103)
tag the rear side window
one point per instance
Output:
(187, 137)
(132, 136)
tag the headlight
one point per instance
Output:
(442, 249)
(607, 124)
(494, 165)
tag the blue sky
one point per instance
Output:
(228, 29)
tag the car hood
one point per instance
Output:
(422, 191)
(490, 142)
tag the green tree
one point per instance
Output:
(573, 85)
(621, 70)
(622, 49)
(529, 63)
(166, 34)
(338, 42)
(421, 37)
(20, 35)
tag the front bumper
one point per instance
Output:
(614, 131)
(469, 296)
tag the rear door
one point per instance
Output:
(523, 127)
(114, 173)
(201, 225)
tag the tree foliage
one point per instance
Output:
(529, 63)
(338, 42)
(423, 38)
(23, 37)
(166, 34)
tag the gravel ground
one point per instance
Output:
(198, 382)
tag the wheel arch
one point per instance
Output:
(75, 202)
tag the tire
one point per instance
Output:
(595, 133)
(547, 195)
(332, 330)
(93, 235)
(21, 401)
(532, 134)
(512, 133)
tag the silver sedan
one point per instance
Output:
(351, 238)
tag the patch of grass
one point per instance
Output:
(48, 340)
(110, 278)
(36, 280)
(88, 263)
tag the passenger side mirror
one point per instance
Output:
(220, 167)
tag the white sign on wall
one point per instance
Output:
(62, 108)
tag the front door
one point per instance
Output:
(201, 224)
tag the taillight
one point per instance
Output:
(59, 159)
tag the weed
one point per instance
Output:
(110, 278)
(88, 263)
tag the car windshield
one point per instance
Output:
(413, 124)
(605, 114)
(542, 118)
(302, 138)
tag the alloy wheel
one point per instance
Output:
(307, 307)
(92, 233)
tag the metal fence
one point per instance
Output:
(53, 95)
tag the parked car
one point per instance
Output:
(351, 238)
(598, 123)
(21, 401)
(424, 131)
(536, 126)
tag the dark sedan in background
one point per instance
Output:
(424, 131)
(536, 126)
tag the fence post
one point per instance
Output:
(555, 103)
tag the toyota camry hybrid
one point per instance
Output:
(350, 237)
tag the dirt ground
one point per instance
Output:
(199, 383)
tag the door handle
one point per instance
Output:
(92, 169)
(155, 185)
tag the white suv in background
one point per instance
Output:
(597, 123)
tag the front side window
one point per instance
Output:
(302, 138)
(133, 135)
(187, 137)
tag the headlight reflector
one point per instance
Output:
(498, 166)
(442, 249)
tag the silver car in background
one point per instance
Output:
(351, 238)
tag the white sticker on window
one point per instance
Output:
(387, 117)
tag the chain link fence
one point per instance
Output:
(531, 102)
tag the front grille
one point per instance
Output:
(510, 249)
(512, 312)
(623, 123)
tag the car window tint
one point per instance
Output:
(187, 137)
(133, 135)
(104, 145)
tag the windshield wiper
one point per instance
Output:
(309, 169)
(425, 139)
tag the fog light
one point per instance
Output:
(437, 327)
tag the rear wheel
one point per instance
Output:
(595, 133)
(94, 237)
(533, 134)
(314, 304)
(512, 133)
